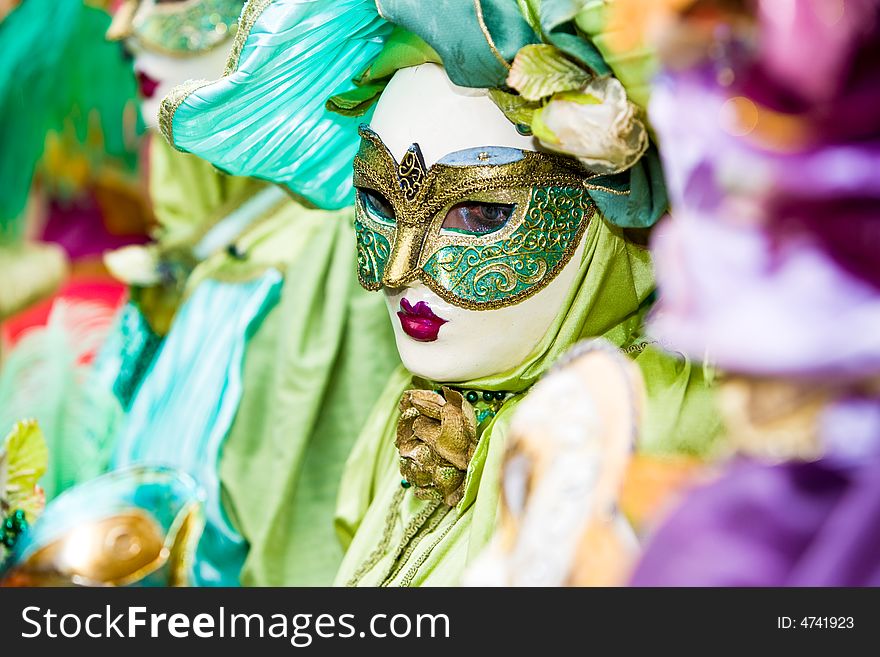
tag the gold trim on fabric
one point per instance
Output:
(414, 527)
(177, 96)
(171, 102)
(434, 521)
(414, 569)
(253, 9)
(478, 7)
(376, 555)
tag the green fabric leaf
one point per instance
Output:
(531, 11)
(539, 71)
(556, 25)
(640, 199)
(541, 131)
(26, 460)
(517, 109)
(474, 40)
(402, 50)
(578, 97)
(357, 101)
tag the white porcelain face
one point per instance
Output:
(158, 74)
(421, 105)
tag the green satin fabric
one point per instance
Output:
(288, 58)
(475, 40)
(312, 373)
(189, 195)
(608, 299)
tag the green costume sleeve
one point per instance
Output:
(367, 466)
(312, 374)
(189, 195)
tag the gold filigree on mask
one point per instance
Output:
(551, 211)
(412, 173)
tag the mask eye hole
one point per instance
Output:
(475, 218)
(376, 204)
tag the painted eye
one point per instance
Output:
(477, 218)
(377, 204)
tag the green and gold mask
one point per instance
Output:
(180, 28)
(482, 228)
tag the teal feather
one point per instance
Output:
(44, 378)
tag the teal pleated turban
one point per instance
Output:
(304, 74)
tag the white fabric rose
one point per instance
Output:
(597, 125)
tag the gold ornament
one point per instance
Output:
(436, 438)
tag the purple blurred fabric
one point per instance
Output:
(794, 524)
(754, 307)
(771, 268)
(804, 524)
(771, 264)
(807, 48)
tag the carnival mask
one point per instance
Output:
(476, 246)
(173, 41)
(483, 228)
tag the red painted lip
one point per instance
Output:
(418, 321)
(146, 85)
